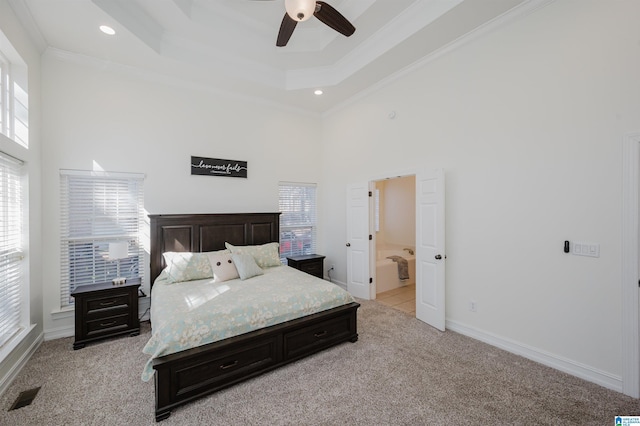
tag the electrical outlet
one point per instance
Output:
(473, 306)
(333, 267)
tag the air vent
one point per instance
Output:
(25, 398)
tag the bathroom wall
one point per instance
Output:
(397, 212)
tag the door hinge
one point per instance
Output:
(370, 237)
(370, 194)
(370, 280)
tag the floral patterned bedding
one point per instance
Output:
(185, 315)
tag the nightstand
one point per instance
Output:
(106, 310)
(310, 263)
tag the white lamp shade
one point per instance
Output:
(300, 10)
(118, 250)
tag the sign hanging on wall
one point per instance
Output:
(218, 167)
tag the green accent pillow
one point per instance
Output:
(187, 266)
(265, 255)
(246, 266)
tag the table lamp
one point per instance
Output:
(118, 250)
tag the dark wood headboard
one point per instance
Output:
(208, 232)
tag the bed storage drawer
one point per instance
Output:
(196, 372)
(214, 372)
(315, 337)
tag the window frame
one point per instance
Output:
(5, 98)
(14, 95)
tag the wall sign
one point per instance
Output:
(218, 167)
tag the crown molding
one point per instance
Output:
(133, 17)
(411, 20)
(314, 39)
(168, 80)
(196, 55)
(25, 17)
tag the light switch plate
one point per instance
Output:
(586, 249)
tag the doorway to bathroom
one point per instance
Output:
(429, 242)
(395, 242)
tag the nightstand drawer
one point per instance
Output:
(108, 324)
(95, 305)
(311, 264)
(314, 268)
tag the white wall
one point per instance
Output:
(32, 158)
(528, 123)
(95, 114)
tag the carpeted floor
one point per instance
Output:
(400, 372)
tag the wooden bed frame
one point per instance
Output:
(193, 373)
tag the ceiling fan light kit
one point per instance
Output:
(301, 10)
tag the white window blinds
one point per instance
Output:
(99, 208)
(11, 269)
(298, 219)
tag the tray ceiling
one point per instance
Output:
(229, 45)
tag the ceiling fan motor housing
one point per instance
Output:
(300, 10)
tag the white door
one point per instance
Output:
(358, 240)
(430, 248)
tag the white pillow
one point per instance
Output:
(222, 266)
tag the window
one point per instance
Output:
(14, 104)
(298, 219)
(12, 315)
(4, 84)
(99, 209)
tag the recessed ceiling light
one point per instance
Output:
(107, 30)
(317, 92)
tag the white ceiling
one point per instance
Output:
(229, 45)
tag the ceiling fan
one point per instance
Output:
(301, 10)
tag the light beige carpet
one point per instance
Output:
(400, 372)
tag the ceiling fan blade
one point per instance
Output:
(286, 29)
(332, 18)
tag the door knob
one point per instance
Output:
(438, 257)
(348, 244)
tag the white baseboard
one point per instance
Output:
(59, 332)
(565, 365)
(6, 381)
